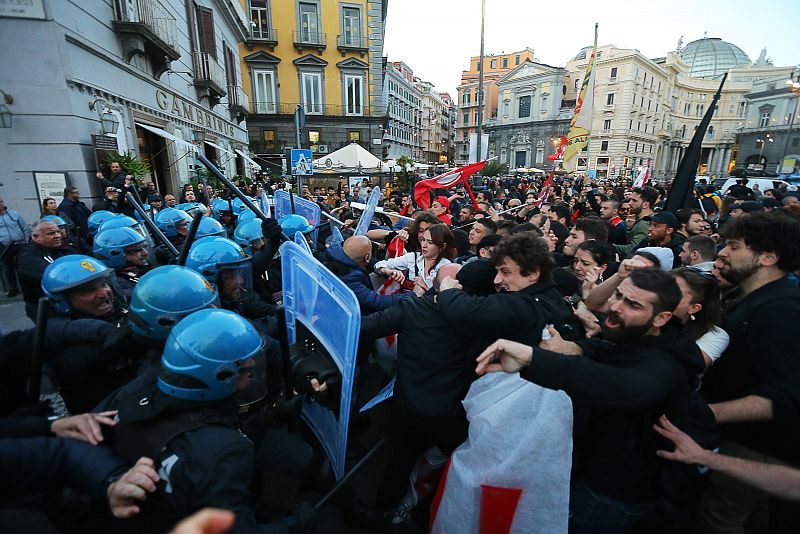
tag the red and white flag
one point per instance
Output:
(643, 177)
(386, 347)
(445, 181)
(544, 194)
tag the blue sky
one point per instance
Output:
(436, 37)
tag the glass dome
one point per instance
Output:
(712, 57)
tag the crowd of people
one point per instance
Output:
(668, 333)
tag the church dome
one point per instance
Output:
(711, 57)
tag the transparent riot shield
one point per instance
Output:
(308, 209)
(369, 212)
(322, 322)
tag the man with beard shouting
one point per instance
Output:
(754, 388)
(619, 387)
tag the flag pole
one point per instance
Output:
(589, 140)
(479, 153)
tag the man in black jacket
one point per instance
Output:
(44, 247)
(433, 376)
(527, 298)
(619, 387)
(76, 210)
(754, 388)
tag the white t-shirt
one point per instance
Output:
(412, 263)
(714, 342)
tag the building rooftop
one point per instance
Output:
(711, 57)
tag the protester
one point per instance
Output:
(420, 267)
(32, 260)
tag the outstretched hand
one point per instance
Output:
(504, 355)
(686, 451)
(556, 343)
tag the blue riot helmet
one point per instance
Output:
(192, 207)
(223, 263)
(220, 207)
(246, 216)
(111, 246)
(209, 227)
(239, 206)
(172, 221)
(97, 218)
(249, 236)
(166, 295)
(123, 221)
(205, 353)
(146, 208)
(291, 224)
(70, 273)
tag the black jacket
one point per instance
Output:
(210, 465)
(78, 214)
(762, 359)
(358, 281)
(32, 260)
(434, 365)
(618, 392)
(518, 316)
(675, 244)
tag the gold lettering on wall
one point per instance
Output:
(184, 109)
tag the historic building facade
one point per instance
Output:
(403, 129)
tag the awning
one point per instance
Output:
(248, 159)
(209, 143)
(166, 135)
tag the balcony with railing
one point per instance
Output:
(260, 31)
(309, 39)
(209, 74)
(238, 104)
(352, 43)
(146, 27)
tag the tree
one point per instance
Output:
(402, 182)
(494, 168)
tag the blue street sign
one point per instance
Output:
(302, 162)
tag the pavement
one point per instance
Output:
(12, 314)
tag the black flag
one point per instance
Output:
(681, 193)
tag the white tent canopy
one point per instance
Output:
(352, 157)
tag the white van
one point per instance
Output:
(763, 183)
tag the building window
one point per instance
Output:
(539, 155)
(741, 109)
(505, 62)
(700, 109)
(603, 146)
(607, 124)
(613, 73)
(516, 60)
(764, 121)
(354, 93)
(311, 84)
(493, 64)
(710, 132)
(264, 91)
(524, 107)
(466, 119)
(313, 137)
(309, 23)
(269, 141)
(351, 26)
(465, 98)
(609, 99)
(355, 136)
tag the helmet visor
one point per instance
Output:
(235, 281)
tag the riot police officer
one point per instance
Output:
(126, 251)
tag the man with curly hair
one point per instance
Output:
(754, 387)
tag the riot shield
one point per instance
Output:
(322, 316)
(337, 239)
(369, 212)
(308, 209)
(301, 240)
(263, 203)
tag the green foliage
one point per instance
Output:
(401, 178)
(494, 168)
(131, 164)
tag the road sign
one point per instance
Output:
(302, 162)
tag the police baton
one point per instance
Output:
(187, 244)
(236, 191)
(35, 382)
(151, 225)
(350, 474)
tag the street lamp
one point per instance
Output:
(767, 138)
(108, 121)
(5, 113)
